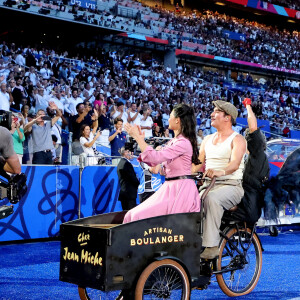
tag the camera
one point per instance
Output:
(5, 119)
(13, 189)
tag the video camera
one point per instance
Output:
(133, 147)
(5, 119)
(13, 189)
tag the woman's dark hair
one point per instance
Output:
(188, 122)
(82, 128)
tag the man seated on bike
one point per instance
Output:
(223, 153)
(255, 174)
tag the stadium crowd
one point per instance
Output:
(257, 43)
(112, 89)
(200, 31)
(293, 4)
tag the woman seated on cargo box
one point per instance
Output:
(179, 193)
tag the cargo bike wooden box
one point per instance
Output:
(155, 258)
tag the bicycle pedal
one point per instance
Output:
(6, 211)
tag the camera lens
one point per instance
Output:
(5, 119)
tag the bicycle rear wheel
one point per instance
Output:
(243, 273)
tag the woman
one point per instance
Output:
(157, 131)
(179, 193)
(18, 137)
(104, 122)
(87, 141)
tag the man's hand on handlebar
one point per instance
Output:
(213, 173)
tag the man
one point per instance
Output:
(9, 162)
(41, 136)
(5, 98)
(84, 116)
(117, 140)
(128, 180)
(41, 100)
(73, 102)
(255, 174)
(223, 153)
(17, 92)
(134, 117)
(120, 112)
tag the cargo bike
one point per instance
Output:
(156, 258)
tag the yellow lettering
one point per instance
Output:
(66, 253)
(181, 238)
(79, 237)
(170, 231)
(157, 241)
(160, 229)
(139, 242)
(145, 233)
(150, 231)
(170, 239)
(151, 242)
(84, 256)
(175, 238)
(164, 239)
(132, 242)
(165, 230)
(146, 241)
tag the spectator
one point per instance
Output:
(84, 116)
(72, 102)
(41, 100)
(147, 123)
(5, 97)
(117, 139)
(104, 122)
(120, 112)
(41, 136)
(87, 141)
(18, 137)
(134, 117)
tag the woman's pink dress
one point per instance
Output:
(174, 196)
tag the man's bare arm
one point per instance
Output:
(12, 165)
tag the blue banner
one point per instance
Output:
(295, 134)
(51, 199)
(264, 125)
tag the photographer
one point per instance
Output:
(41, 135)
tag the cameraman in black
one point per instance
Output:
(9, 162)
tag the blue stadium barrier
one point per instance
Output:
(51, 199)
(53, 196)
(100, 190)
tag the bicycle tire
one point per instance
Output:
(153, 282)
(226, 279)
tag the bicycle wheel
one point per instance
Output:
(165, 279)
(246, 271)
(93, 294)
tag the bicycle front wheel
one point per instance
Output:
(165, 279)
(239, 274)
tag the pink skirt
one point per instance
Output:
(175, 196)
